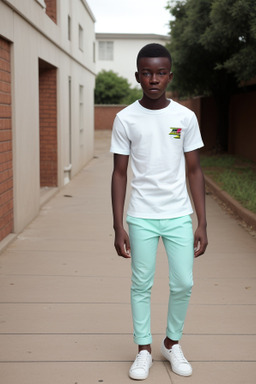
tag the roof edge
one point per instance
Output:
(123, 36)
(86, 5)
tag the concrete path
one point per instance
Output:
(64, 296)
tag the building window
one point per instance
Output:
(94, 56)
(81, 38)
(81, 111)
(106, 50)
(69, 27)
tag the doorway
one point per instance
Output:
(48, 125)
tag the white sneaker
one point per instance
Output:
(140, 368)
(178, 362)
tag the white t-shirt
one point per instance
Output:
(156, 141)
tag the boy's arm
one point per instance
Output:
(197, 188)
(118, 192)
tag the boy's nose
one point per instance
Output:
(154, 78)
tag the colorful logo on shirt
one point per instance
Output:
(176, 132)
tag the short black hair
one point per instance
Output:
(153, 50)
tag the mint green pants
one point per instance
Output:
(178, 239)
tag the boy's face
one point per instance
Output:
(154, 74)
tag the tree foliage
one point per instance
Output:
(212, 37)
(213, 45)
(192, 66)
(110, 88)
(233, 28)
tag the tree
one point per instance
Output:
(233, 25)
(213, 44)
(110, 88)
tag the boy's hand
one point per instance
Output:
(122, 243)
(200, 241)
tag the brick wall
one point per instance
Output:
(51, 9)
(6, 173)
(104, 116)
(242, 135)
(242, 127)
(208, 124)
(48, 127)
(194, 104)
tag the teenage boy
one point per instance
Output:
(162, 138)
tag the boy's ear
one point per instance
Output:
(137, 77)
(170, 76)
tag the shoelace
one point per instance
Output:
(179, 355)
(141, 360)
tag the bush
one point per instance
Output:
(110, 88)
(133, 94)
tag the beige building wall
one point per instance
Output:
(125, 50)
(68, 46)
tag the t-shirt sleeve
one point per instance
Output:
(193, 139)
(120, 143)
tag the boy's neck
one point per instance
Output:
(154, 104)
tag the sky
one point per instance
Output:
(130, 16)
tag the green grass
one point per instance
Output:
(235, 175)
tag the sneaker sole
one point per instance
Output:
(139, 377)
(179, 373)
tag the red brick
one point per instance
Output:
(7, 197)
(5, 98)
(6, 219)
(4, 44)
(6, 208)
(104, 116)
(5, 54)
(5, 111)
(5, 76)
(5, 166)
(5, 146)
(5, 135)
(5, 65)
(48, 128)
(6, 172)
(4, 176)
(5, 123)
(5, 157)
(6, 186)
(6, 231)
(5, 87)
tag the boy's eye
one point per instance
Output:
(149, 74)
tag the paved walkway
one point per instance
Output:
(64, 296)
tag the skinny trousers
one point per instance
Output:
(178, 240)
